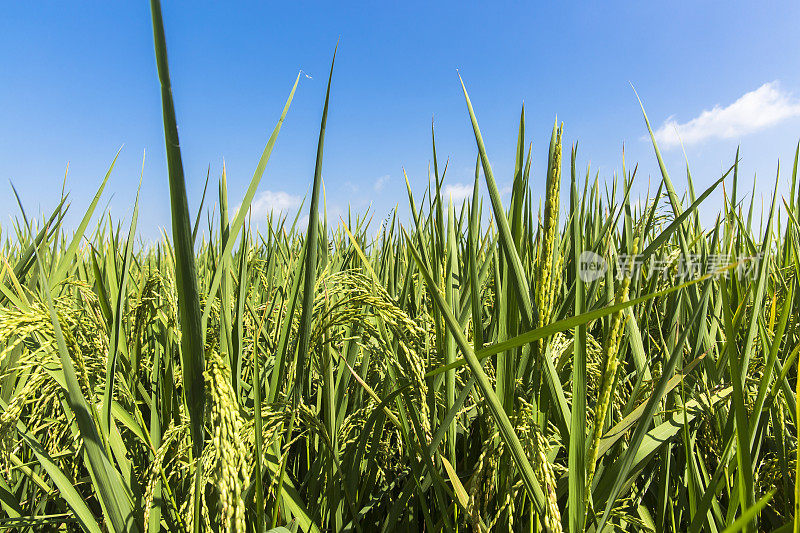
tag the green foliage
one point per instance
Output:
(442, 374)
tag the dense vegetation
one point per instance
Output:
(458, 371)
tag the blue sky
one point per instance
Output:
(79, 81)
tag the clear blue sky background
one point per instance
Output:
(79, 81)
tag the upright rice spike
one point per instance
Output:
(611, 362)
(546, 287)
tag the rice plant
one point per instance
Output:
(606, 364)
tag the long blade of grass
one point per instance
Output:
(117, 332)
(578, 423)
(521, 286)
(192, 334)
(310, 279)
(511, 439)
(238, 220)
(69, 254)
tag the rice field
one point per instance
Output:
(584, 361)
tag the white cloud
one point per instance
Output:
(381, 182)
(754, 111)
(457, 192)
(274, 201)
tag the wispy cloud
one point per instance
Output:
(266, 202)
(457, 192)
(759, 109)
(381, 182)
